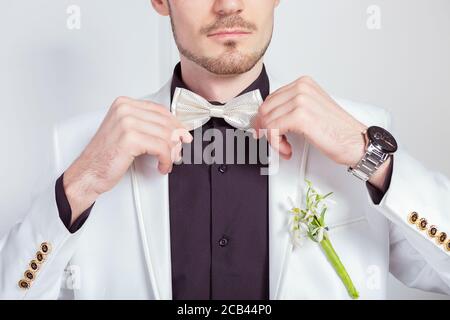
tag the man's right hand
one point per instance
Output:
(130, 128)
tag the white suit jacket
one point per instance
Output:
(123, 249)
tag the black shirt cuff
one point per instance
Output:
(65, 212)
(376, 194)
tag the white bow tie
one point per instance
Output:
(194, 111)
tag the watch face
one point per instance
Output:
(382, 138)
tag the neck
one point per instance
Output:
(213, 87)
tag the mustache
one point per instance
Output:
(228, 22)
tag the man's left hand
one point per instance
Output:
(303, 107)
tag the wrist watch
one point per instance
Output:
(380, 144)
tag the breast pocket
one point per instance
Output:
(345, 223)
(342, 212)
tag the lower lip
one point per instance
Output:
(229, 35)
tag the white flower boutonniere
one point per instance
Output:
(310, 223)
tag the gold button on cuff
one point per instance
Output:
(447, 245)
(46, 248)
(40, 257)
(422, 224)
(413, 217)
(441, 237)
(29, 275)
(432, 231)
(24, 284)
(34, 265)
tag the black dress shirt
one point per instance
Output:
(218, 217)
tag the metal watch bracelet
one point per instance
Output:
(370, 162)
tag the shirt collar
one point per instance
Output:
(261, 83)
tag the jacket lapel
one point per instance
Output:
(285, 180)
(151, 197)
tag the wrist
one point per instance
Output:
(375, 160)
(360, 148)
(379, 176)
(78, 187)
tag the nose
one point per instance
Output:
(228, 7)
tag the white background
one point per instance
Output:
(49, 73)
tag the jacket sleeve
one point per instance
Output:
(417, 205)
(35, 252)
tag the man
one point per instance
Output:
(129, 223)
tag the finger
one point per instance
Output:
(292, 116)
(285, 148)
(276, 100)
(177, 152)
(296, 90)
(156, 108)
(122, 100)
(161, 149)
(257, 133)
(280, 143)
(282, 89)
(151, 129)
(280, 111)
(186, 136)
(278, 128)
(141, 143)
(182, 130)
(304, 85)
(149, 105)
(164, 120)
(284, 124)
(315, 85)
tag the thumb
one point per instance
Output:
(258, 133)
(279, 143)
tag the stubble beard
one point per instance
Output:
(231, 62)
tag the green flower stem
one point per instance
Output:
(333, 258)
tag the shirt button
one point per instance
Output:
(223, 168)
(223, 242)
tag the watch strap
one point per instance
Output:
(373, 158)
